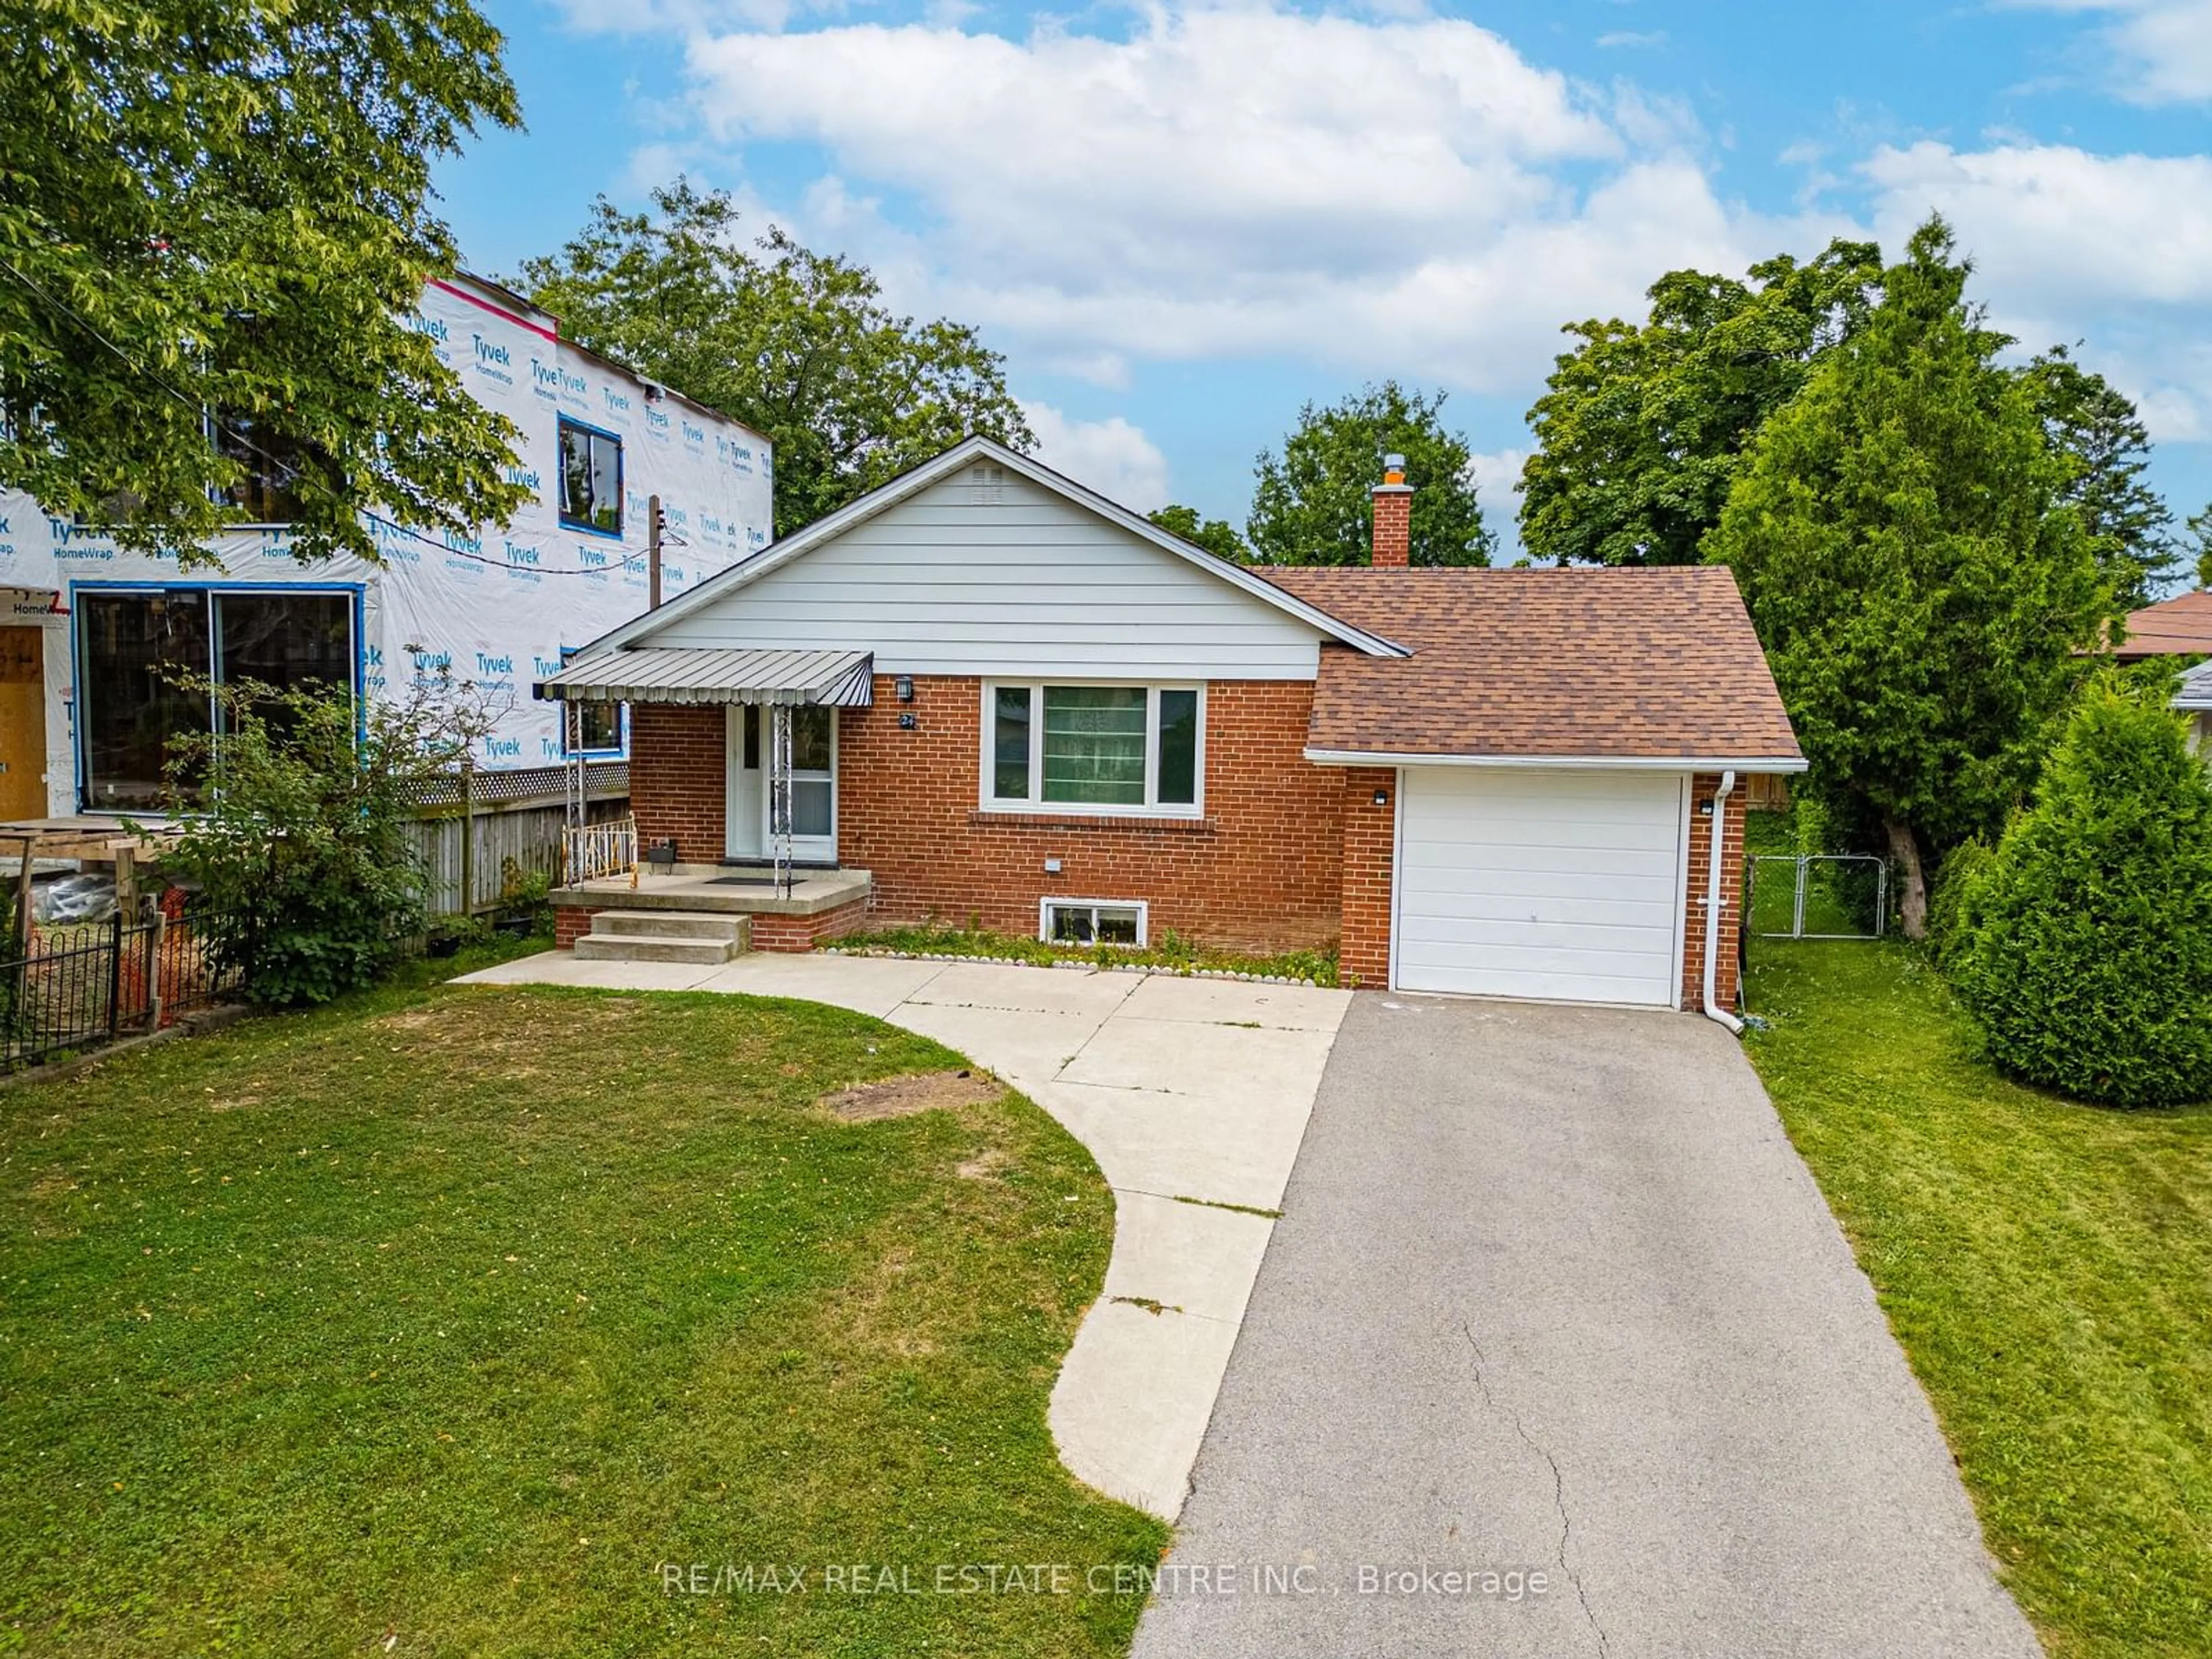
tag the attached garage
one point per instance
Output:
(1553, 883)
(1544, 795)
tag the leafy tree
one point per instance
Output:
(2199, 545)
(297, 831)
(2089, 960)
(2092, 422)
(1641, 431)
(1217, 536)
(1921, 584)
(1314, 504)
(795, 343)
(228, 208)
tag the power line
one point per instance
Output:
(289, 472)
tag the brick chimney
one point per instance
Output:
(1393, 517)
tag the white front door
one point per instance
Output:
(744, 804)
(1551, 884)
(813, 784)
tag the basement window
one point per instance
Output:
(1091, 922)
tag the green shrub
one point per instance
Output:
(1954, 913)
(296, 833)
(2088, 953)
(522, 891)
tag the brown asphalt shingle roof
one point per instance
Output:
(1647, 665)
(2179, 627)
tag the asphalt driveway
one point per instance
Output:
(1557, 1351)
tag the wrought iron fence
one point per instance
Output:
(1818, 896)
(83, 985)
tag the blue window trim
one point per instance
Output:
(79, 738)
(622, 478)
(622, 737)
(566, 653)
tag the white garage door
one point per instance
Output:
(1555, 884)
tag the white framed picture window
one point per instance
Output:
(1094, 747)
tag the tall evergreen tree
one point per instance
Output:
(2093, 424)
(1919, 579)
(2088, 960)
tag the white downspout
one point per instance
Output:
(1713, 1010)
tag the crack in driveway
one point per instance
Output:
(1558, 1482)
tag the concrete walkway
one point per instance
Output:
(1553, 1295)
(1191, 1094)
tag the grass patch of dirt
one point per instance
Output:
(917, 1091)
(397, 1349)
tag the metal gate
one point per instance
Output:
(1818, 896)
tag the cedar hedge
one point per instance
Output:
(2083, 943)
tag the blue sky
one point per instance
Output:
(1181, 222)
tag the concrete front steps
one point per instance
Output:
(666, 936)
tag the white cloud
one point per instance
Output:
(1108, 369)
(2050, 225)
(2114, 250)
(2176, 414)
(1497, 480)
(650, 165)
(2156, 52)
(1619, 38)
(1378, 193)
(1394, 196)
(1109, 456)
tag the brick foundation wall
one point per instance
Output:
(1693, 934)
(676, 756)
(1369, 844)
(569, 925)
(804, 933)
(1260, 872)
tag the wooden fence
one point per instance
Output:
(513, 840)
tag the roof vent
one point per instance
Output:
(986, 484)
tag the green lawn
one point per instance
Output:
(451, 1319)
(2048, 1268)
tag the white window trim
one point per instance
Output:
(1047, 905)
(1037, 806)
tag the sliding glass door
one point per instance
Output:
(133, 647)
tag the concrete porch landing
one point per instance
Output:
(708, 888)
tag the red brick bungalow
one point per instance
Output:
(1011, 701)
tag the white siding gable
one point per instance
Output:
(1005, 577)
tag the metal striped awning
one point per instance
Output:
(686, 674)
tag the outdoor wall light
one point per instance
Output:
(1381, 797)
(905, 683)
